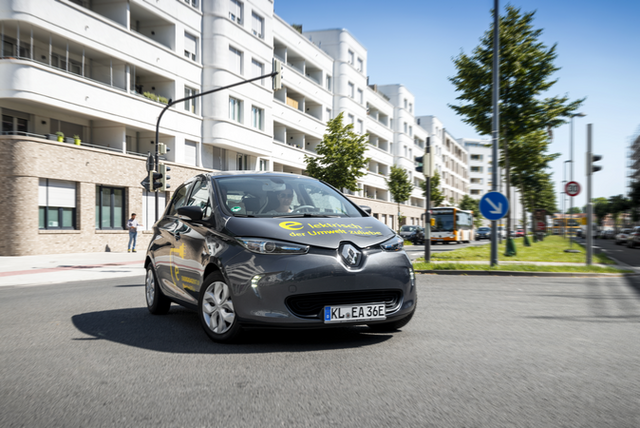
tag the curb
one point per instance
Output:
(531, 274)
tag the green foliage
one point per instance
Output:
(526, 66)
(341, 160)
(634, 196)
(617, 205)
(470, 204)
(601, 208)
(399, 184)
(436, 193)
(574, 210)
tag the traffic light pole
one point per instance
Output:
(427, 213)
(589, 203)
(172, 103)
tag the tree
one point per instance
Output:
(526, 66)
(574, 210)
(601, 208)
(399, 186)
(470, 204)
(341, 160)
(634, 197)
(617, 205)
(436, 194)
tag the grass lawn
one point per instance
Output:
(517, 268)
(549, 250)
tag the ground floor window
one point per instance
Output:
(110, 212)
(56, 204)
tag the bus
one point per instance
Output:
(451, 225)
(568, 225)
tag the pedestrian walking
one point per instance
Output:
(132, 225)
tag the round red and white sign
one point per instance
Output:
(572, 188)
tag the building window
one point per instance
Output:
(193, 3)
(190, 105)
(235, 60)
(405, 127)
(476, 169)
(235, 11)
(360, 128)
(264, 165)
(328, 82)
(257, 117)
(476, 158)
(410, 131)
(360, 66)
(475, 192)
(405, 103)
(14, 122)
(476, 181)
(351, 88)
(410, 107)
(328, 114)
(242, 163)
(190, 46)
(360, 96)
(351, 119)
(109, 208)
(350, 57)
(235, 109)
(257, 25)
(257, 69)
(56, 204)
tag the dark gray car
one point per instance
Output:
(276, 250)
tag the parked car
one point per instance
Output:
(579, 232)
(519, 233)
(276, 250)
(634, 238)
(622, 236)
(483, 233)
(408, 232)
(609, 234)
(502, 233)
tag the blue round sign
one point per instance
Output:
(494, 206)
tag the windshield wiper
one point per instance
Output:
(243, 215)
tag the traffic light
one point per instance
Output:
(155, 178)
(277, 79)
(163, 149)
(164, 177)
(419, 164)
(594, 168)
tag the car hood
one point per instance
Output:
(319, 232)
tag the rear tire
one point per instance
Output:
(157, 302)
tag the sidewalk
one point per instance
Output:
(61, 268)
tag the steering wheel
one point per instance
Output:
(303, 207)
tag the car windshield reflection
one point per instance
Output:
(278, 197)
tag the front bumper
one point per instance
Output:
(287, 290)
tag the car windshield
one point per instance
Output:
(408, 228)
(281, 196)
(484, 229)
(443, 223)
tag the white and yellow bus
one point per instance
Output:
(451, 225)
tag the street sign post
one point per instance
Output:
(572, 188)
(494, 206)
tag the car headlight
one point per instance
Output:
(394, 244)
(269, 246)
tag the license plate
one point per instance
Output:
(354, 313)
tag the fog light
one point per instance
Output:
(255, 280)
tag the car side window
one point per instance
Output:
(200, 197)
(179, 199)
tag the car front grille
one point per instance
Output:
(311, 305)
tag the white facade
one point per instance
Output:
(104, 70)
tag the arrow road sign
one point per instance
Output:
(494, 206)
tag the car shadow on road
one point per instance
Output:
(180, 332)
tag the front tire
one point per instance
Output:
(216, 310)
(157, 302)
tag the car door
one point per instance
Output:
(165, 244)
(190, 253)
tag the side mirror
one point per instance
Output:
(365, 209)
(191, 213)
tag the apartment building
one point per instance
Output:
(103, 71)
(451, 160)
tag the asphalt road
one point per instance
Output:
(630, 256)
(480, 352)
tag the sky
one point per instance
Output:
(413, 43)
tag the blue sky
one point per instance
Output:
(413, 43)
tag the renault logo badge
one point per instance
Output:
(351, 254)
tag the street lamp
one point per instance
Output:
(571, 177)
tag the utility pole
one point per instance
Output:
(495, 125)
